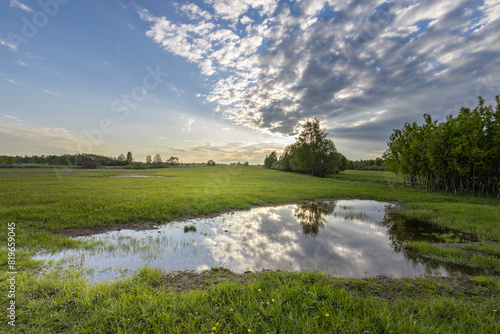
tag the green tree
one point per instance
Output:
(149, 160)
(270, 160)
(461, 154)
(314, 153)
(157, 161)
(130, 159)
(210, 163)
(287, 156)
(173, 161)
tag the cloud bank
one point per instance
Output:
(363, 67)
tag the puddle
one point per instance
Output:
(344, 238)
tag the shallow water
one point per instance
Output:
(345, 238)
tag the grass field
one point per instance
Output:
(43, 203)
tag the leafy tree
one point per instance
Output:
(270, 159)
(314, 153)
(172, 161)
(344, 163)
(121, 158)
(287, 156)
(130, 159)
(157, 161)
(461, 155)
(149, 160)
(210, 163)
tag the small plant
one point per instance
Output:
(189, 228)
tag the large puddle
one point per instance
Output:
(344, 238)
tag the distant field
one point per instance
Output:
(367, 175)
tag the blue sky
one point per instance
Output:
(231, 80)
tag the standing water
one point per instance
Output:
(344, 238)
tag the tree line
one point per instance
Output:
(67, 159)
(370, 164)
(92, 161)
(312, 153)
(460, 155)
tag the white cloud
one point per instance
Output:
(225, 151)
(51, 93)
(194, 12)
(17, 136)
(354, 59)
(20, 62)
(20, 5)
(9, 45)
(12, 118)
(14, 82)
(187, 125)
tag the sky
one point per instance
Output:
(232, 80)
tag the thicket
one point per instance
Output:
(370, 164)
(461, 155)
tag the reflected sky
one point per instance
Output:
(344, 238)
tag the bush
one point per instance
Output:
(89, 164)
(137, 165)
(380, 168)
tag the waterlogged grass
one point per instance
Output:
(190, 228)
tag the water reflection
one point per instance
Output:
(312, 215)
(350, 238)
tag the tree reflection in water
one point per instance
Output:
(312, 215)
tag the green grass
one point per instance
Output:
(367, 176)
(260, 303)
(43, 203)
(190, 228)
(53, 202)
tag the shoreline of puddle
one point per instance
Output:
(321, 224)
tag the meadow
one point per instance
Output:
(48, 205)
